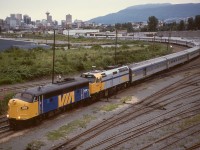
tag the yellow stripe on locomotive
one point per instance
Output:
(66, 99)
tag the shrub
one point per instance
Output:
(4, 103)
(19, 65)
(5, 80)
(96, 47)
(124, 46)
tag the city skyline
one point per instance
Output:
(82, 10)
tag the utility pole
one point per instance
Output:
(54, 41)
(169, 36)
(68, 37)
(154, 41)
(115, 47)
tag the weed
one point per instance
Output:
(4, 103)
(190, 121)
(70, 127)
(109, 107)
(19, 65)
(125, 99)
(35, 145)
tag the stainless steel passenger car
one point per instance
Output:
(146, 68)
(193, 52)
(176, 58)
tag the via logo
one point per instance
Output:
(65, 99)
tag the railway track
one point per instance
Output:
(144, 107)
(4, 125)
(150, 104)
(145, 127)
(145, 130)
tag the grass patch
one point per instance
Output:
(190, 121)
(109, 107)
(70, 127)
(125, 99)
(35, 145)
(19, 65)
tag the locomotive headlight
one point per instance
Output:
(14, 102)
(24, 107)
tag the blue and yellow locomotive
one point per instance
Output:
(34, 103)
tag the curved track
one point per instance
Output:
(157, 101)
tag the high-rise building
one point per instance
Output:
(63, 23)
(27, 19)
(1, 24)
(47, 13)
(69, 19)
(55, 22)
(49, 19)
(12, 16)
(78, 23)
(13, 21)
(18, 16)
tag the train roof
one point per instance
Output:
(170, 56)
(147, 63)
(62, 85)
(193, 49)
(93, 72)
(110, 71)
(120, 69)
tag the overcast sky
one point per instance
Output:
(79, 9)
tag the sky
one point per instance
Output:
(79, 9)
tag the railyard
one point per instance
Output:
(151, 123)
(148, 115)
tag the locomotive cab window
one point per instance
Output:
(91, 78)
(98, 80)
(114, 72)
(103, 75)
(25, 97)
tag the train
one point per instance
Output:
(34, 104)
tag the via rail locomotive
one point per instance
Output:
(33, 104)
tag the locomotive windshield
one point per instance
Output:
(91, 78)
(25, 97)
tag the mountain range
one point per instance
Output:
(140, 13)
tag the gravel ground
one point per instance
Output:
(95, 114)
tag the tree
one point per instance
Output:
(173, 26)
(152, 23)
(190, 24)
(128, 27)
(124, 26)
(181, 25)
(197, 22)
(118, 26)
